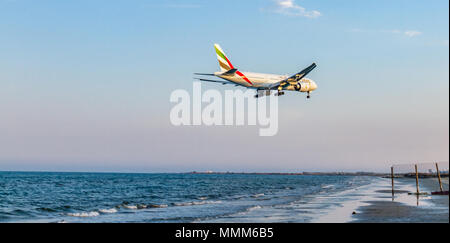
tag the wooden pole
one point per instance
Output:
(417, 179)
(439, 177)
(392, 179)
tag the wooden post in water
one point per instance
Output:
(439, 177)
(417, 179)
(392, 179)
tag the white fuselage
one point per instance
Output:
(264, 81)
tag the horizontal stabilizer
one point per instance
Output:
(205, 74)
(213, 81)
(230, 72)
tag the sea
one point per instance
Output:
(54, 197)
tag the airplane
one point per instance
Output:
(260, 81)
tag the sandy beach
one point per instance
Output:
(381, 207)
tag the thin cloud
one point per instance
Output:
(412, 33)
(290, 8)
(408, 33)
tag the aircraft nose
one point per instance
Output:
(313, 86)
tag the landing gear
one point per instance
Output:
(308, 96)
(259, 93)
(280, 93)
(262, 93)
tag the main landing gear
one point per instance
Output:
(280, 91)
(262, 93)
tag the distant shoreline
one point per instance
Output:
(291, 174)
(208, 173)
(361, 173)
(384, 175)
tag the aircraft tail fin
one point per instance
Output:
(224, 62)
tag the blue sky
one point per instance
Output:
(85, 85)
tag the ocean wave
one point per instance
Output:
(237, 197)
(195, 203)
(265, 198)
(50, 210)
(254, 208)
(141, 206)
(157, 206)
(85, 214)
(134, 207)
(110, 210)
(258, 195)
(327, 186)
(183, 204)
(246, 210)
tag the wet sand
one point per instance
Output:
(404, 208)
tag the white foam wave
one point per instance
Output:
(84, 214)
(254, 208)
(213, 202)
(196, 203)
(183, 204)
(111, 210)
(249, 210)
(141, 206)
(158, 206)
(134, 207)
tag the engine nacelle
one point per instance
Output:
(304, 85)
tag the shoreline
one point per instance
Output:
(373, 203)
(381, 207)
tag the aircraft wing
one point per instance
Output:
(294, 78)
